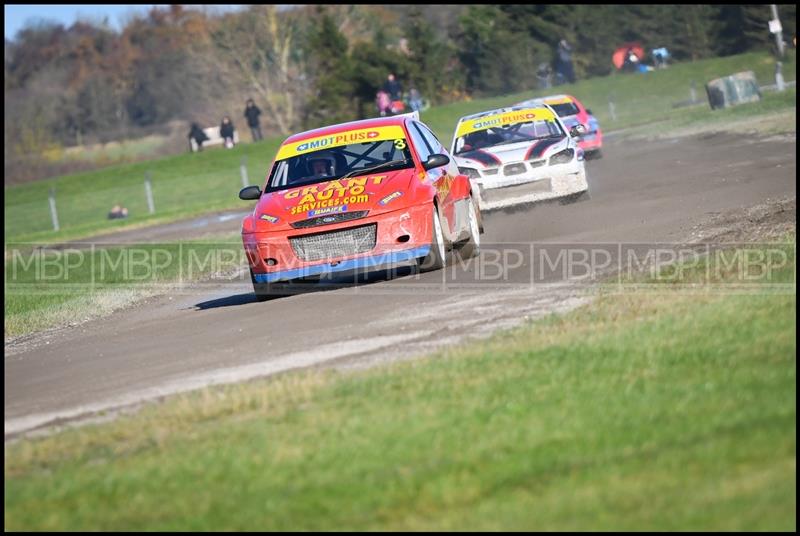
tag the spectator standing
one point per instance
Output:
(660, 56)
(544, 75)
(196, 133)
(564, 68)
(393, 88)
(383, 102)
(226, 132)
(251, 113)
(414, 99)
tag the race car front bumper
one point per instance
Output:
(543, 183)
(364, 244)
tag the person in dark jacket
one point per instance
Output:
(251, 112)
(196, 133)
(564, 69)
(393, 88)
(226, 132)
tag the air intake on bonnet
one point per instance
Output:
(514, 169)
(335, 244)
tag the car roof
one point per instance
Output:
(352, 125)
(553, 98)
(502, 110)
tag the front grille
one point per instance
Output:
(335, 244)
(536, 163)
(514, 169)
(327, 220)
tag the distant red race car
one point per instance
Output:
(357, 197)
(572, 112)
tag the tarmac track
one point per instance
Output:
(641, 193)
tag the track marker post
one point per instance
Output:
(612, 109)
(53, 212)
(243, 172)
(148, 190)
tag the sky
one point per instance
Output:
(16, 16)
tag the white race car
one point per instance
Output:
(520, 154)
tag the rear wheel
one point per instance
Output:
(436, 258)
(472, 246)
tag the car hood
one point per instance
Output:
(503, 154)
(376, 193)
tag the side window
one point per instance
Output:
(433, 141)
(423, 149)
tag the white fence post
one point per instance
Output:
(693, 92)
(611, 108)
(148, 190)
(53, 213)
(779, 84)
(243, 172)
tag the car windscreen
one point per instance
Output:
(331, 157)
(483, 134)
(565, 109)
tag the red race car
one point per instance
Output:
(358, 197)
(572, 112)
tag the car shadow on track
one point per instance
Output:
(312, 286)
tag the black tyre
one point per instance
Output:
(437, 258)
(593, 155)
(267, 291)
(472, 247)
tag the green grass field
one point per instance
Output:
(656, 410)
(192, 184)
(46, 288)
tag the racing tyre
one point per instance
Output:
(436, 259)
(472, 247)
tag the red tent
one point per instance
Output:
(619, 55)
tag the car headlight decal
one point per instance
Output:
(562, 157)
(470, 172)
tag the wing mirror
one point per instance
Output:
(251, 192)
(577, 131)
(436, 160)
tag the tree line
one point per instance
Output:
(307, 66)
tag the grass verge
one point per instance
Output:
(776, 113)
(193, 184)
(49, 288)
(663, 410)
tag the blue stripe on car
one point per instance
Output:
(351, 264)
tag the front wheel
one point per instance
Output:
(436, 259)
(472, 247)
(266, 291)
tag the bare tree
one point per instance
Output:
(262, 45)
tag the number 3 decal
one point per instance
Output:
(400, 144)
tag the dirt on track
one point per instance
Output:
(680, 190)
